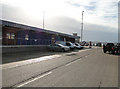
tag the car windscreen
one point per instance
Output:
(110, 44)
(76, 44)
(60, 45)
(68, 44)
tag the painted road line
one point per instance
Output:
(77, 60)
(86, 56)
(35, 60)
(21, 85)
(84, 50)
(30, 61)
(73, 62)
(77, 52)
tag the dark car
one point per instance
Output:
(86, 44)
(99, 44)
(109, 47)
(116, 48)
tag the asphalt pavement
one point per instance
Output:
(84, 68)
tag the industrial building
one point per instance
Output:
(19, 34)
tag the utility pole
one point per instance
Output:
(43, 18)
(82, 26)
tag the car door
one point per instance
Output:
(58, 47)
(55, 47)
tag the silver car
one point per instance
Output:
(78, 46)
(67, 44)
(58, 47)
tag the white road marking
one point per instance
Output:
(84, 50)
(78, 51)
(30, 61)
(86, 56)
(73, 62)
(76, 61)
(35, 60)
(34, 79)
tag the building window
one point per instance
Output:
(12, 36)
(8, 35)
(26, 37)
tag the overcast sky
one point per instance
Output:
(100, 16)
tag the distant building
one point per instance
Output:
(77, 39)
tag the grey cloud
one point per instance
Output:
(15, 14)
(100, 36)
(62, 24)
(91, 31)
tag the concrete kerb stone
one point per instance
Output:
(14, 49)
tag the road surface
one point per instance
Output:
(85, 68)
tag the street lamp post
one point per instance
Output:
(82, 27)
(43, 18)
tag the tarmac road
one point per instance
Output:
(86, 68)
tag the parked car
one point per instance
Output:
(58, 47)
(68, 44)
(116, 48)
(86, 44)
(93, 44)
(78, 46)
(109, 47)
(99, 44)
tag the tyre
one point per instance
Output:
(117, 51)
(113, 52)
(63, 50)
(104, 51)
(53, 50)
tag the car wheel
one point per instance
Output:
(104, 51)
(63, 50)
(117, 51)
(113, 52)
